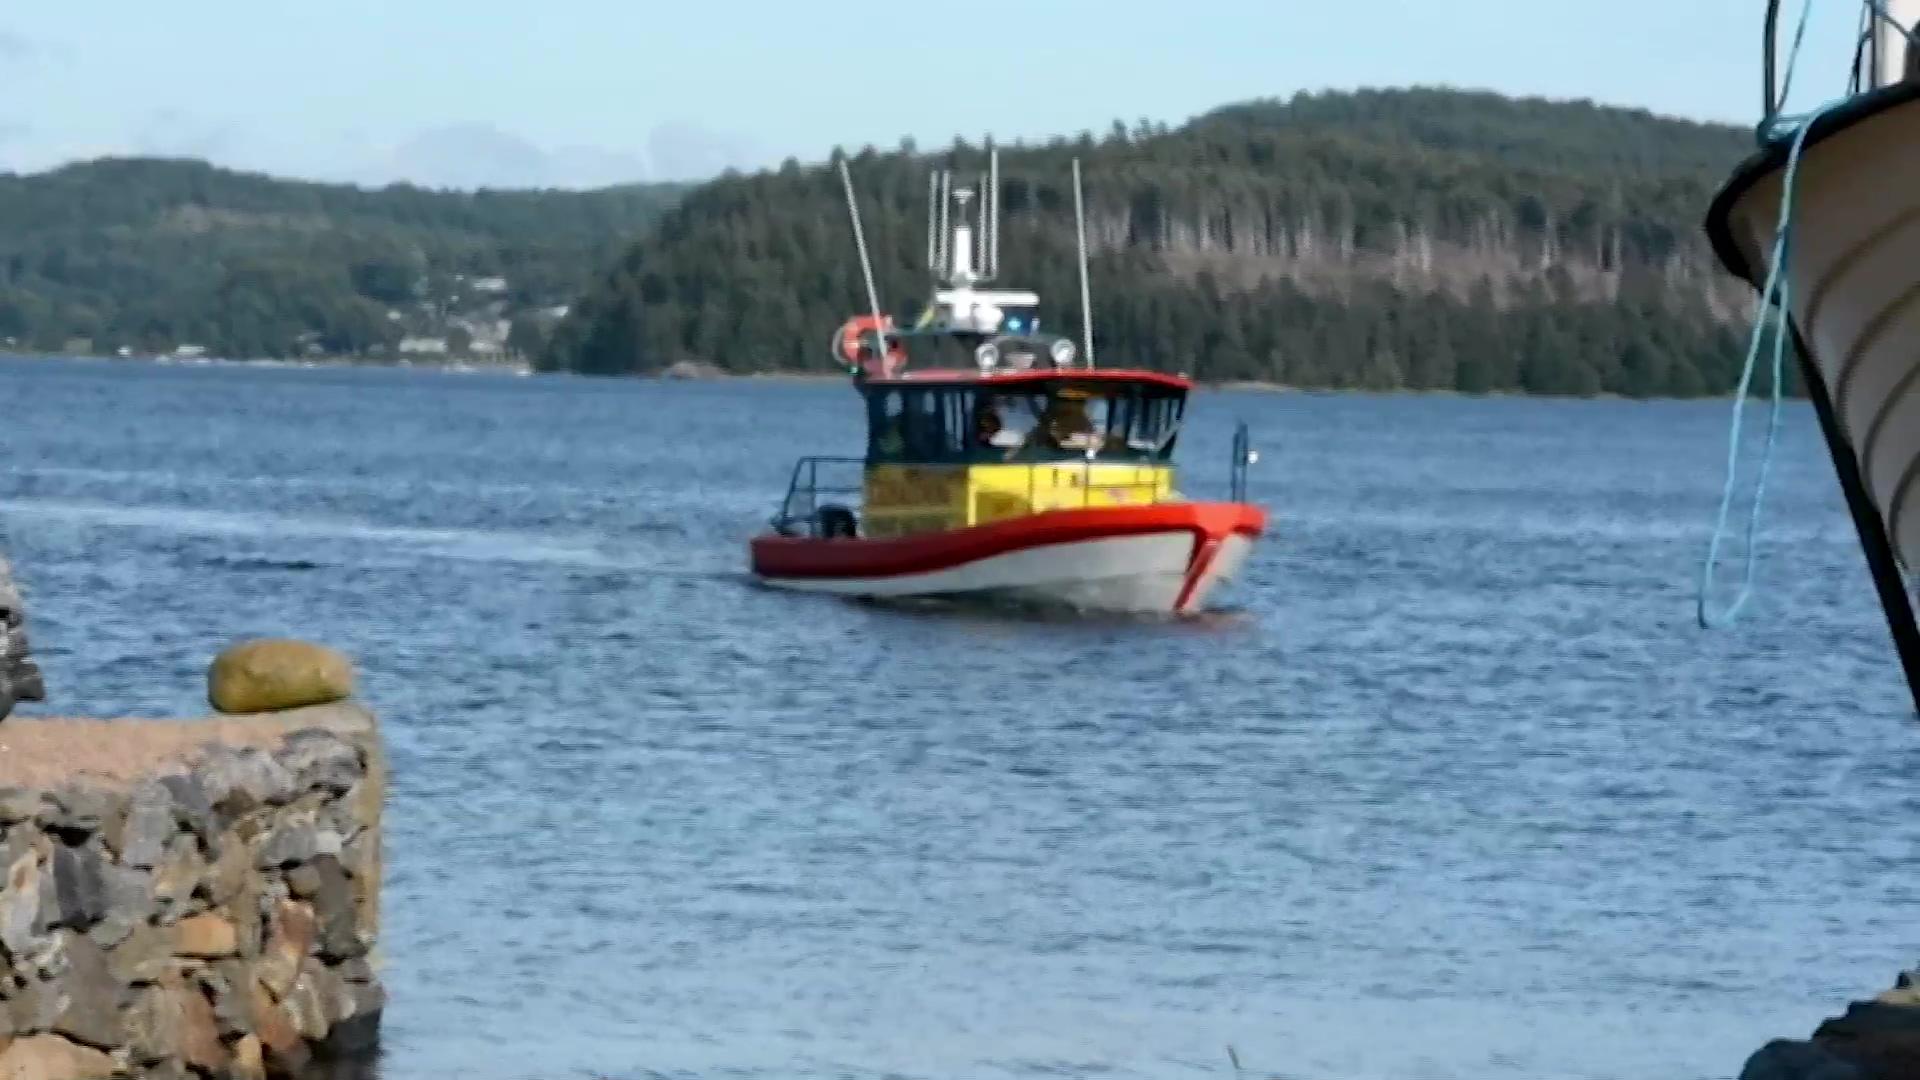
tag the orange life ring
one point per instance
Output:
(851, 345)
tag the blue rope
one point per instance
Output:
(1775, 297)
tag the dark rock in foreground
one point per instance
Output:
(1873, 1040)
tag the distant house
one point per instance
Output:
(488, 284)
(436, 346)
(190, 352)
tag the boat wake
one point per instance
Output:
(479, 545)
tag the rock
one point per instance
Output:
(241, 780)
(50, 1057)
(319, 999)
(46, 962)
(170, 1069)
(268, 675)
(20, 906)
(355, 1038)
(31, 1007)
(154, 1022)
(1881, 1040)
(1782, 1059)
(229, 984)
(289, 942)
(357, 970)
(286, 1051)
(295, 842)
(48, 913)
(233, 870)
(179, 874)
(129, 905)
(191, 806)
(304, 881)
(334, 906)
(346, 815)
(322, 760)
(249, 1059)
(140, 839)
(367, 998)
(76, 812)
(79, 885)
(1868, 1019)
(200, 1044)
(20, 677)
(205, 937)
(144, 957)
(86, 995)
(17, 805)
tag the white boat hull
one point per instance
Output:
(1146, 574)
(1854, 271)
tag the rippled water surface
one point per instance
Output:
(1454, 789)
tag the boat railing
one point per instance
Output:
(1243, 456)
(799, 513)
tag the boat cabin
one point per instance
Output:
(952, 449)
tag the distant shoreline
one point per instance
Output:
(686, 372)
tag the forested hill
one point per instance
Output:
(154, 254)
(1426, 239)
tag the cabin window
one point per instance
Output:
(1029, 422)
(1115, 422)
(921, 424)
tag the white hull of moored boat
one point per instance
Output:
(1854, 271)
(1156, 573)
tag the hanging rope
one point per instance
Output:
(1775, 303)
(1775, 297)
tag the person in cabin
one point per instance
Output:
(992, 428)
(1067, 424)
(987, 424)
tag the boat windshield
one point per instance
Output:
(1104, 421)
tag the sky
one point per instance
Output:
(576, 93)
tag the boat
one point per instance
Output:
(1017, 472)
(1824, 221)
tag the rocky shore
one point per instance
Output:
(1872, 1040)
(197, 896)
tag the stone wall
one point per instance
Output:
(189, 897)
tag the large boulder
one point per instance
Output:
(271, 674)
(19, 676)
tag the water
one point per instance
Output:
(1455, 789)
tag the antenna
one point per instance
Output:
(1086, 300)
(986, 231)
(933, 217)
(866, 267)
(993, 211)
(946, 237)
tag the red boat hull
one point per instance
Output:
(1164, 558)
